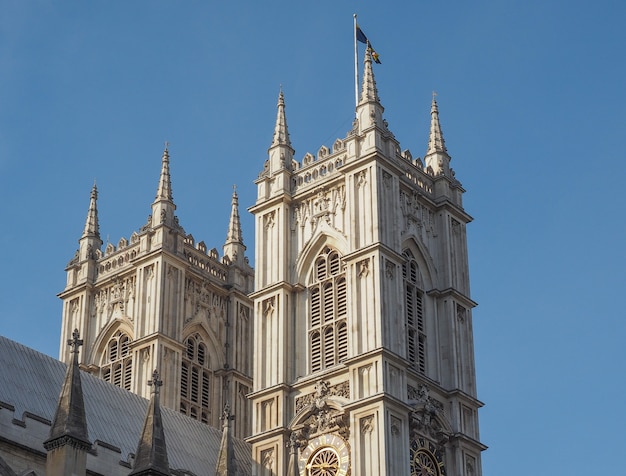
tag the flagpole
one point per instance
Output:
(356, 69)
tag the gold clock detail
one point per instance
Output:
(426, 460)
(326, 455)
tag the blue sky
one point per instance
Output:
(532, 101)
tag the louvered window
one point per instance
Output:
(117, 375)
(316, 351)
(342, 339)
(184, 381)
(328, 309)
(118, 368)
(128, 375)
(195, 380)
(414, 309)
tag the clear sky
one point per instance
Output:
(532, 101)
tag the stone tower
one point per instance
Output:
(364, 360)
(159, 300)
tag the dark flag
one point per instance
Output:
(360, 36)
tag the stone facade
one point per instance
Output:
(363, 328)
(162, 301)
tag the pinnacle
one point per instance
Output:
(369, 92)
(436, 142)
(164, 190)
(281, 132)
(92, 227)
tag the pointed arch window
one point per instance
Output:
(196, 380)
(414, 312)
(328, 309)
(118, 366)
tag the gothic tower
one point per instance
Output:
(162, 301)
(363, 339)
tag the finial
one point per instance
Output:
(75, 342)
(434, 95)
(167, 146)
(155, 382)
(226, 414)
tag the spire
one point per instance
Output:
(151, 455)
(70, 424)
(369, 111)
(435, 140)
(437, 159)
(164, 191)
(281, 133)
(234, 226)
(163, 206)
(234, 247)
(369, 93)
(225, 458)
(92, 227)
(280, 152)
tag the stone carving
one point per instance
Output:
(425, 419)
(367, 424)
(395, 426)
(461, 313)
(323, 418)
(269, 220)
(387, 180)
(267, 458)
(340, 390)
(268, 307)
(363, 268)
(389, 269)
(201, 301)
(361, 178)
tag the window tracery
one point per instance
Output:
(195, 380)
(118, 367)
(327, 326)
(414, 312)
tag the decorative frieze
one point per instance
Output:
(323, 390)
(201, 299)
(115, 300)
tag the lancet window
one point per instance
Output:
(414, 312)
(327, 327)
(118, 368)
(195, 380)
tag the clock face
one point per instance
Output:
(426, 460)
(326, 455)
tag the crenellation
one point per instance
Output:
(119, 260)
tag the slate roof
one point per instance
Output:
(31, 383)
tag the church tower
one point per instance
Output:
(363, 341)
(162, 301)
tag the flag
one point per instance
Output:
(360, 36)
(375, 56)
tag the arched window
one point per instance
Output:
(118, 366)
(414, 313)
(328, 309)
(195, 380)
